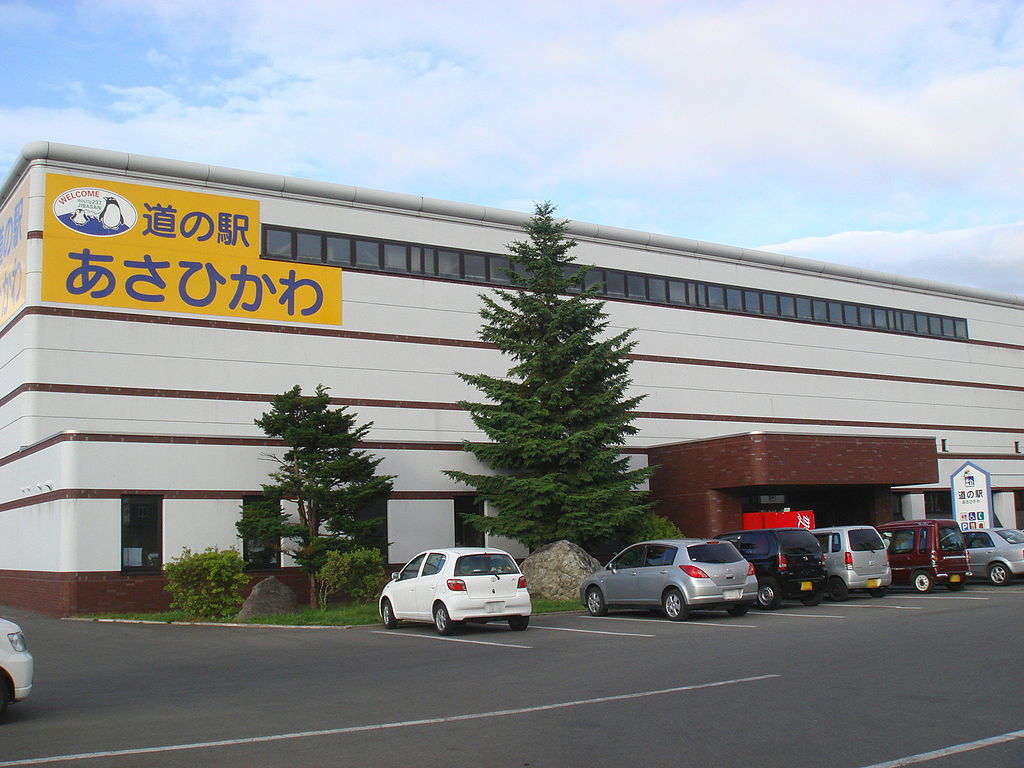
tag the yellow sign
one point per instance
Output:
(113, 244)
(13, 253)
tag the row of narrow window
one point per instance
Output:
(470, 266)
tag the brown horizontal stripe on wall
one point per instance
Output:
(410, 339)
(825, 422)
(193, 394)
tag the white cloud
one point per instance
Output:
(985, 257)
(734, 121)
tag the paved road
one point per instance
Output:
(847, 685)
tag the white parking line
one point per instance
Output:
(801, 615)
(449, 639)
(871, 605)
(924, 757)
(591, 631)
(384, 726)
(662, 621)
(938, 597)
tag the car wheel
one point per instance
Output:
(596, 606)
(813, 599)
(999, 574)
(768, 594)
(878, 591)
(837, 590)
(738, 610)
(5, 696)
(443, 622)
(518, 623)
(955, 586)
(674, 605)
(387, 613)
(922, 581)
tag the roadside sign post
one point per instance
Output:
(971, 491)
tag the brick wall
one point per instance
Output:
(71, 594)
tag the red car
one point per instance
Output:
(923, 553)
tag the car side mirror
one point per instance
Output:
(395, 575)
(610, 567)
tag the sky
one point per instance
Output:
(886, 134)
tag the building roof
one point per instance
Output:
(289, 186)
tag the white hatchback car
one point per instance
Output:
(15, 665)
(449, 586)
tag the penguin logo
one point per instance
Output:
(94, 211)
(111, 217)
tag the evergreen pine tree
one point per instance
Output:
(559, 418)
(329, 480)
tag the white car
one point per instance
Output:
(15, 665)
(448, 586)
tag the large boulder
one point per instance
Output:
(555, 571)
(268, 597)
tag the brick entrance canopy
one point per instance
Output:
(700, 484)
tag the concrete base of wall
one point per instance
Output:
(74, 594)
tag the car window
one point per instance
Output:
(660, 554)
(752, 544)
(434, 564)
(950, 539)
(922, 540)
(412, 569)
(865, 540)
(714, 552)
(824, 540)
(900, 542)
(489, 563)
(631, 558)
(798, 543)
(1013, 537)
(976, 540)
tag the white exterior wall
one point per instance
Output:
(899, 386)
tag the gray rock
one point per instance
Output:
(267, 598)
(555, 571)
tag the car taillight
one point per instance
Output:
(849, 560)
(522, 583)
(694, 571)
(750, 570)
(456, 585)
(783, 562)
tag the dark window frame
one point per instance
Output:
(426, 260)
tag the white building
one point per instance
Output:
(150, 308)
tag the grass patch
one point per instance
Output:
(351, 614)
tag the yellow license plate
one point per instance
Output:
(954, 578)
(872, 583)
(806, 586)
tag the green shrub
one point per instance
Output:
(654, 526)
(208, 584)
(359, 573)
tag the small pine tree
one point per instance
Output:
(325, 475)
(558, 419)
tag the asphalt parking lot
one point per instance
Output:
(932, 680)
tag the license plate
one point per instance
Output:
(495, 607)
(954, 578)
(732, 594)
(806, 586)
(872, 583)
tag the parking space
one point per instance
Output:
(864, 682)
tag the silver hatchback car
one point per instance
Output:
(996, 552)
(855, 558)
(676, 574)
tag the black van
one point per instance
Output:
(788, 563)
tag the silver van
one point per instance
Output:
(855, 558)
